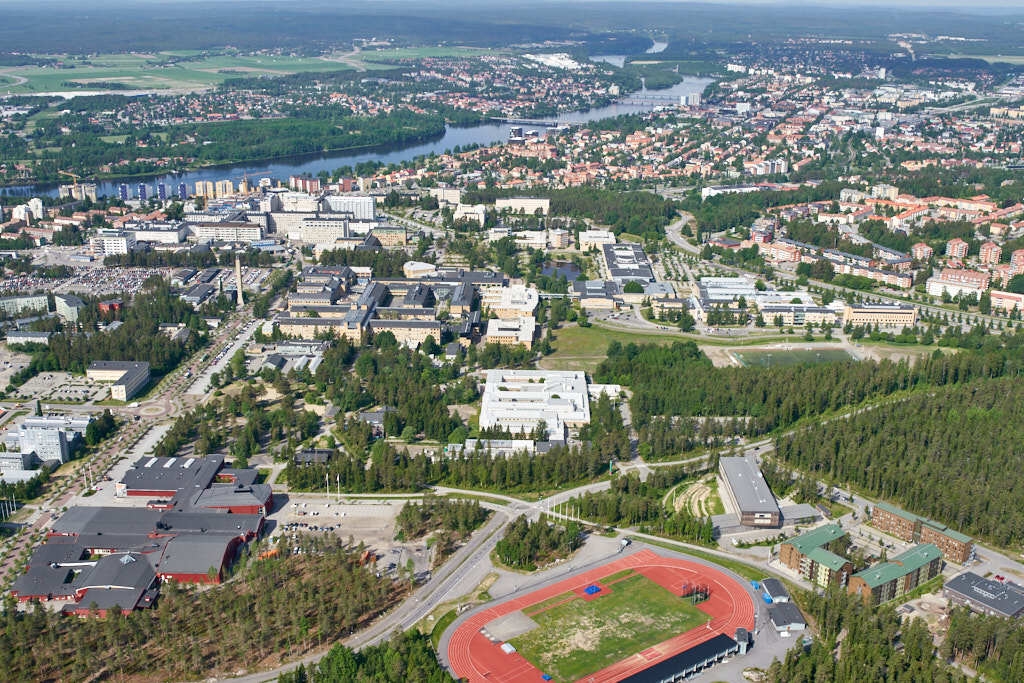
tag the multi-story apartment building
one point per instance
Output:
(808, 556)
(898, 576)
(955, 546)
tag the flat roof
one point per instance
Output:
(712, 648)
(744, 478)
(785, 614)
(1005, 598)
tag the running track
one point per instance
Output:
(474, 657)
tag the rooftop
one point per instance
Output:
(748, 485)
(816, 538)
(900, 565)
(1005, 598)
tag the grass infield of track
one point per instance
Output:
(578, 638)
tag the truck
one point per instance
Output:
(623, 544)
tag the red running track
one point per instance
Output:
(474, 657)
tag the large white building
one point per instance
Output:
(593, 239)
(526, 205)
(520, 400)
(361, 207)
(231, 231)
(112, 241)
(515, 301)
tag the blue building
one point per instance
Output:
(182, 191)
(142, 191)
(122, 192)
(161, 191)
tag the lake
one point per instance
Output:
(312, 164)
(558, 268)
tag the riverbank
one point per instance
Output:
(328, 161)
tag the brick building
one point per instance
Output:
(809, 556)
(900, 575)
(955, 547)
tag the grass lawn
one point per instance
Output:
(580, 637)
(582, 348)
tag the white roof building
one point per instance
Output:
(519, 400)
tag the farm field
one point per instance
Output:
(159, 72)
(579, 637)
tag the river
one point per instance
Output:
(282, 168)
(620, 60)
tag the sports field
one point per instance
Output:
(772, 357)
(578, 637)
(636, 620)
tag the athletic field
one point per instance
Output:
(578, 636)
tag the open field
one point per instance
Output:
(582, 348)
(767, 358)
(991, 59)
(579, 637)
(420, 52)
(155, 72)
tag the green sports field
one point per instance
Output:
(764, 358)
(578, 638)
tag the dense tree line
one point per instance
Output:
(725, 211)
(389, 470)
(416, 520)
(991, 645)
(528, 545)
(680, 380)
(606, 432)
(964, 441)
(408, 656)
(635, 212)
(275, 609)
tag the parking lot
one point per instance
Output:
(64, 387)
(369, 522)
(10, 363)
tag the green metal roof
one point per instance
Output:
(938, 526)
(815, 538)
(900, 565)
(827, 558)
(955, 535)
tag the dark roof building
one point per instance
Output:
(986, 596)
(786, 617)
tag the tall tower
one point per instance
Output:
(238, 281)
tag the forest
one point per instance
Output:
(408, 656)
(680, 380)
(857, 643)
(137, 339)
(636, 212)
(528, 545)
(962, 440)
(275, 608)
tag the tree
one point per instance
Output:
(633, 287)
(1016, 284)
